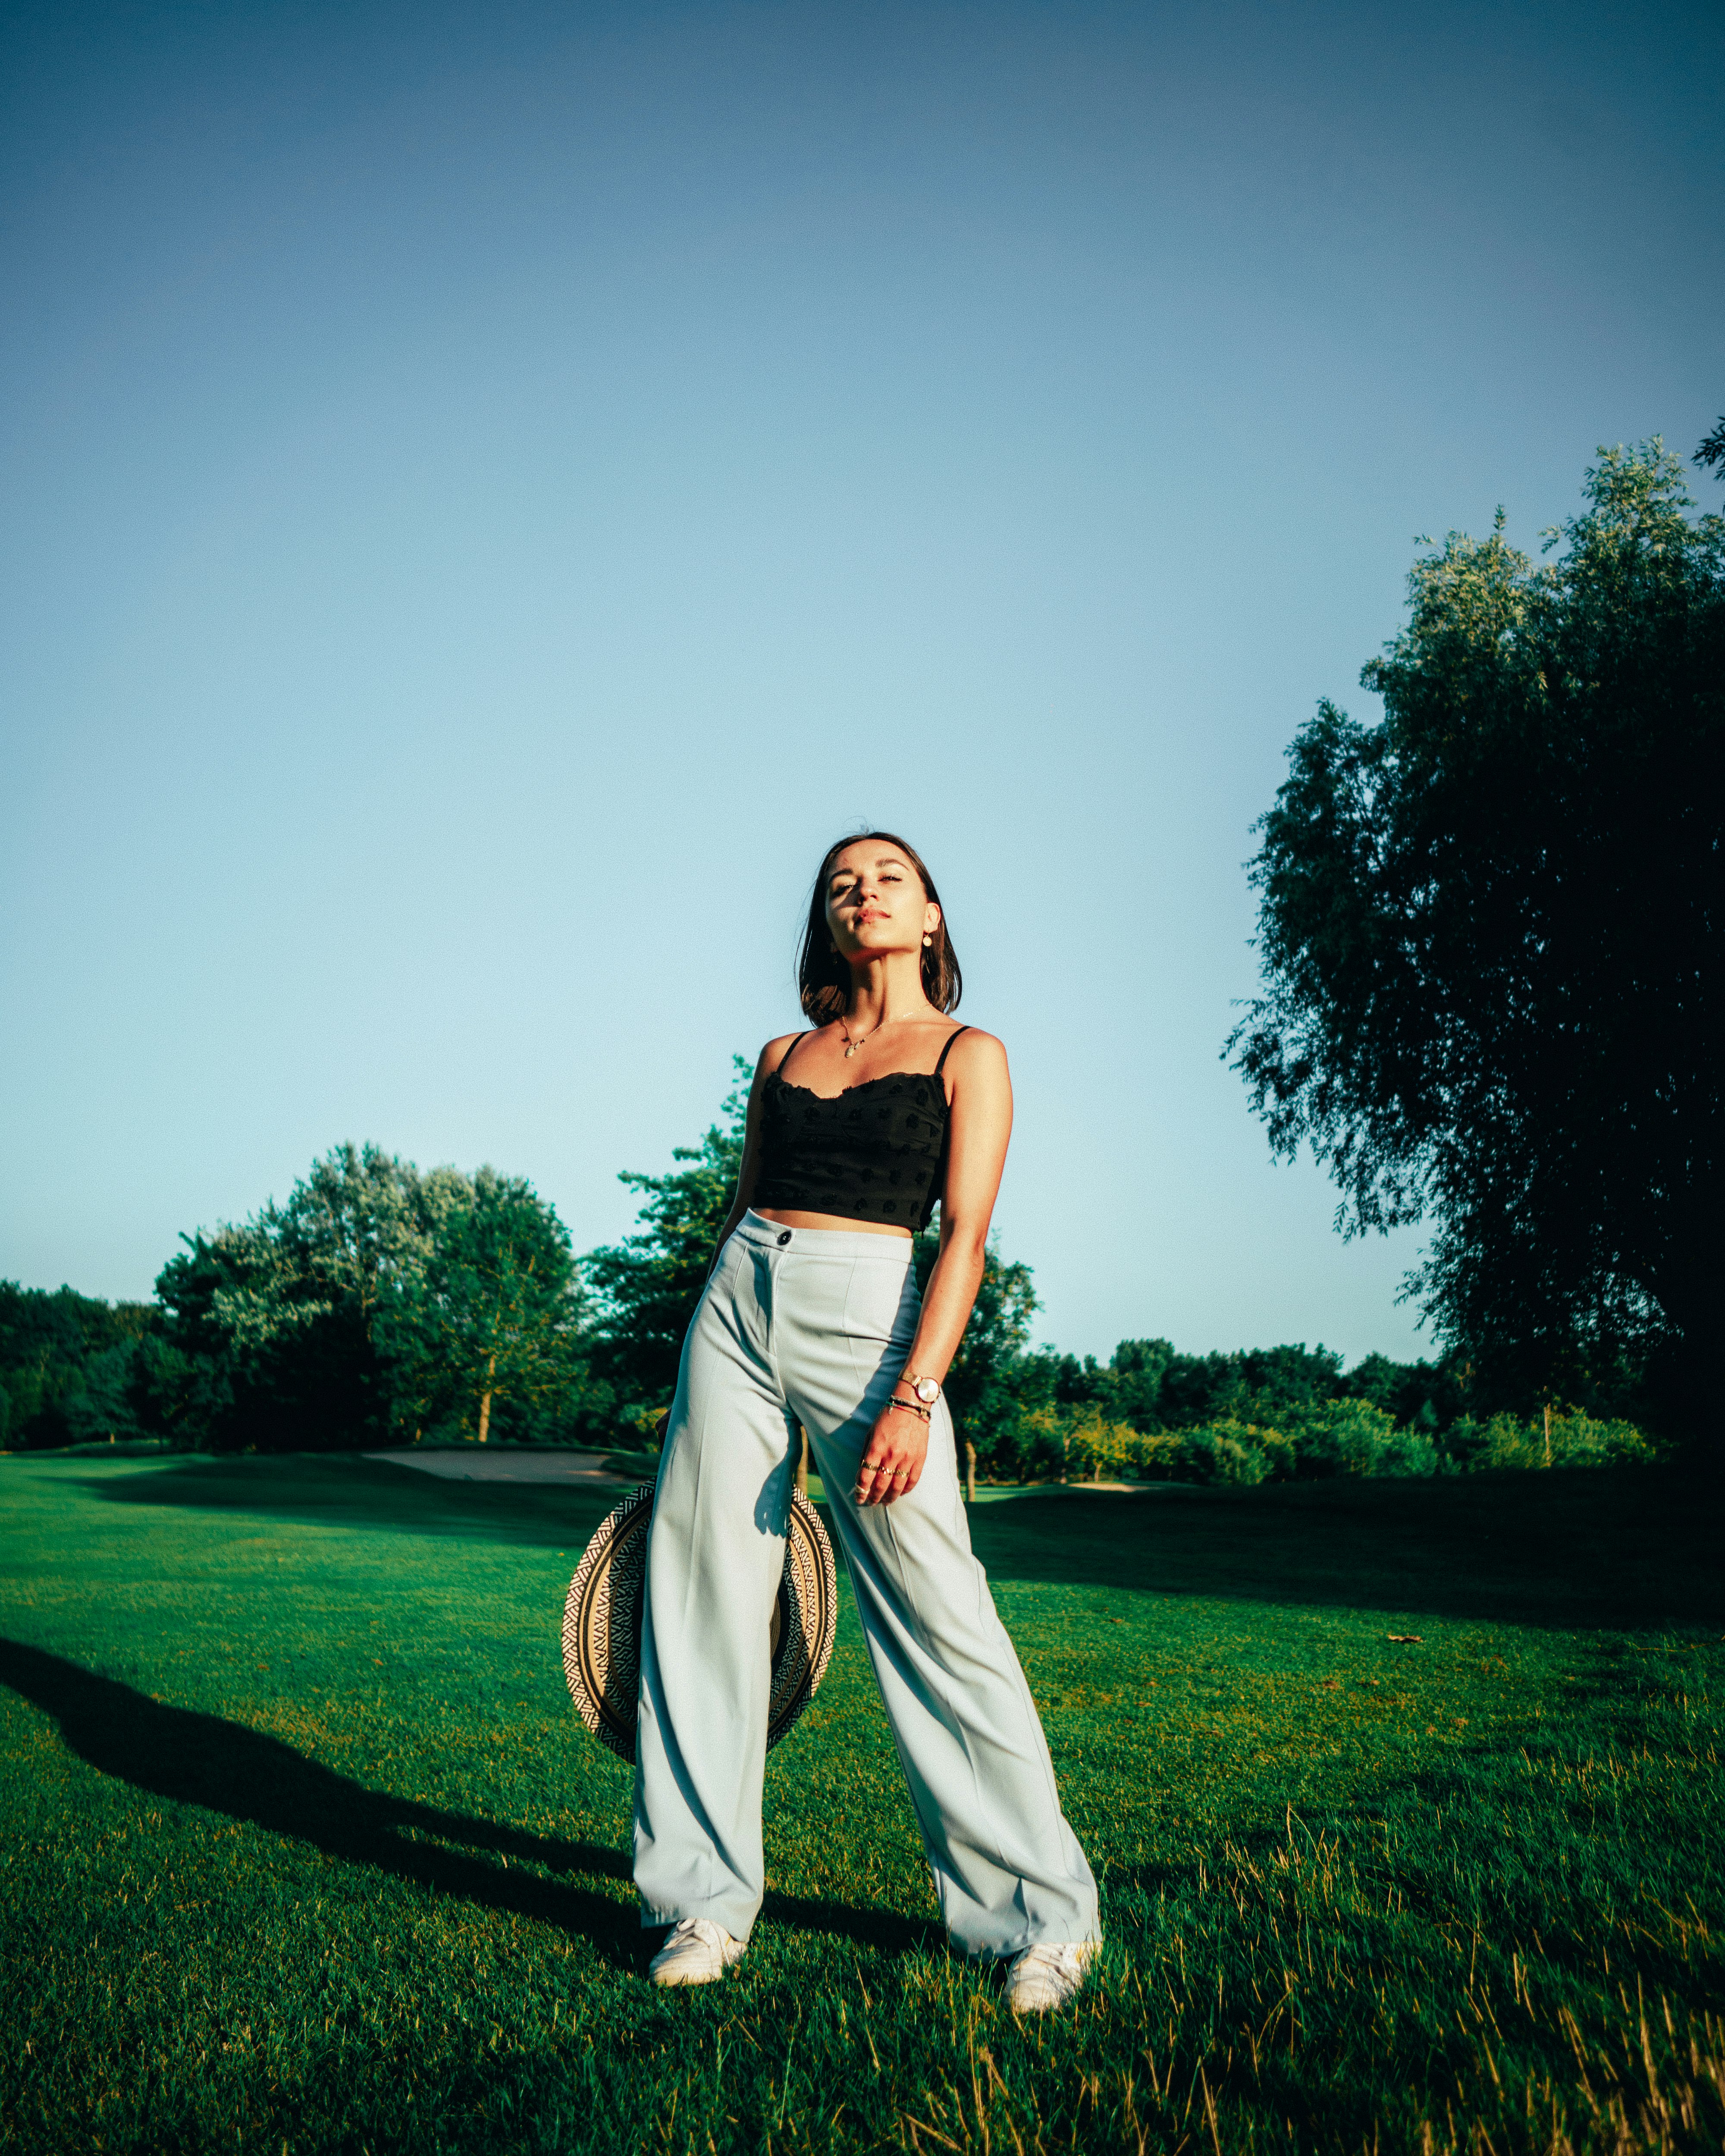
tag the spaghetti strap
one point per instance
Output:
(948, 1049)
(786, 1057)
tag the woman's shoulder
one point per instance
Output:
(776, 1050)
(971, 1051)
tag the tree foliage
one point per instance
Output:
(378, 1302)
(981, 1383)
(1490, 934)
(646, 1287)
(268, 1334)
(1151, 1388)
(493, 1314)
(68, 1366)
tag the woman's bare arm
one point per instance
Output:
(979, 1127)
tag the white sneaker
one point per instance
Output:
(1042, 1976)
(696, 1951)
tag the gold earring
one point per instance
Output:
(928, 942)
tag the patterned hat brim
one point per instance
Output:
(601, 1621)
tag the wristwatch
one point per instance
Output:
(927, 1389)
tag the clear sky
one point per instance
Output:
(489, 493)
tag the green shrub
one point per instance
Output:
(1347, 1436)
(1034, 1447)
(1575, 1439)
(1351, 1436)
(1223, 1451)
(1078, 1445)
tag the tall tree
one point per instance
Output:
(269, 1329)
(1490, 928)
(494, 1314)
(646, 1286)
(981, 1387)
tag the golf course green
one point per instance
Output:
(1405, 1797)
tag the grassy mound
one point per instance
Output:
(306, 1850)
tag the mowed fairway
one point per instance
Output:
(305, 1849)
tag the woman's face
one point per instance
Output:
(875, 903)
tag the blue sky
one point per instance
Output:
(487, 495)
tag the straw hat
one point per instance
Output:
(601, 1621)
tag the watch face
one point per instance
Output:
(927, 1391)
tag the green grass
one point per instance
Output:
(305, 1848)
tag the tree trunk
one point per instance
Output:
(969, 1472)
(485, 1402)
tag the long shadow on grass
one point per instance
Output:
(333, 1489)
(195, 1759)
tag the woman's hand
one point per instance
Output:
(893, 1459)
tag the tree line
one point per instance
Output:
(378, 1305)
(381, 1305)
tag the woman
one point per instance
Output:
(811, 1316)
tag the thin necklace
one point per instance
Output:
(863, 1038)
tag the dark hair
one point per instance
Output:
(823, 976)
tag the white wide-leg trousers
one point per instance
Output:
(813, 1326)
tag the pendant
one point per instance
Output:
(852, 1049)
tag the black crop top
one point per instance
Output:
(872, 1152)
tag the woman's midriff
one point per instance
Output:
(835, 1220)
